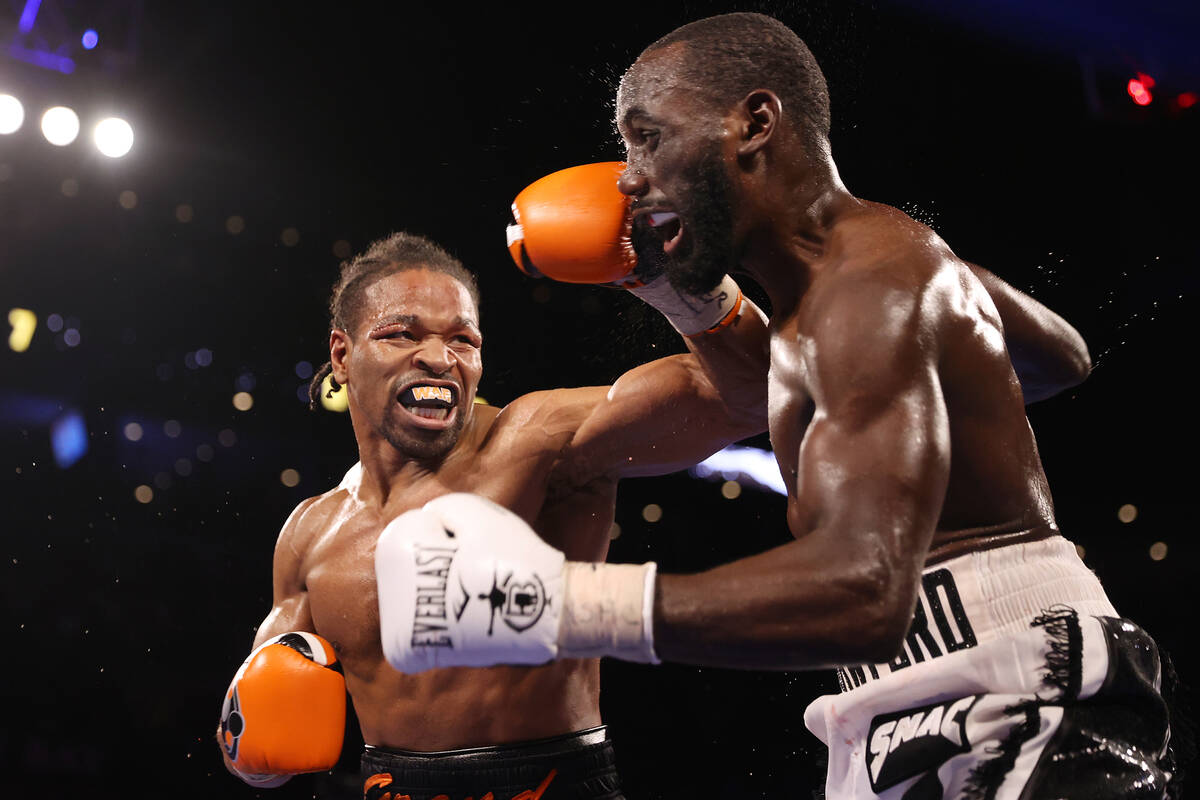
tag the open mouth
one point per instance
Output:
(669, 228)
(429, 405)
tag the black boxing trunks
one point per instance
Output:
(1017, 680)
(577, 766)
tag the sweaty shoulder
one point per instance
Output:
(880, 237)
(879, 256)
(307, 519)
(886, 295)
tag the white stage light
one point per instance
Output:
(114, 137)
(12, 114)
(60, 125)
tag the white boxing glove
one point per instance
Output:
(465, 582)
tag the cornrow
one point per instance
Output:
(398, 252)
(314, 386)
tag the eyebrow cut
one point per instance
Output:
(414, 320)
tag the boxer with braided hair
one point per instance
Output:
(397, 252)
(406, 346)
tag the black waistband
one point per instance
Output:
(575, 765)
(454, 759)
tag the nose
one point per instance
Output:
(434, 356)
(632, 181)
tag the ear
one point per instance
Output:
(760, 113)
(339, 350)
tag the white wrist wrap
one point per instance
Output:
(608, 610)
(689, 314)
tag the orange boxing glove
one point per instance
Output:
(285, 711)
(574, 226)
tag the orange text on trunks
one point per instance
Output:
(383, 779)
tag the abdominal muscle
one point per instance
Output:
(461, 707)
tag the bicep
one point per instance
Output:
(657, 418)
(877, 473)
(875, 461)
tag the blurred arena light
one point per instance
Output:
(747, 465)
(69, 438)
(113, 137)
(12, 114)
(1139, 89)
(89, 39)
(29, 15)
(60, 125)
(23, 322)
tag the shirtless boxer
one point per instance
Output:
(406, 346)
(978, 656)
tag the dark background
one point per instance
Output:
(1006, 126)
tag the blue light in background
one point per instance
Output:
(90, 39)
(29, 15)
(68, 436)
(747, 464)
(42, 58)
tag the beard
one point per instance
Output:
(709, 253)
(421, 445)
(415, 443)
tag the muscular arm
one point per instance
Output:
(671, 413)
(872, 474)
(1047, 353)
(289, 609)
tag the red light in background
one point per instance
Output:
(1138, 91)
(1187, 99)
(1146, 80)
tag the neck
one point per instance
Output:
(386, 469)
(783, 250)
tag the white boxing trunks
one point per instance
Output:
(1016, 680)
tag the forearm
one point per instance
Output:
(735, 360)
(1047, 353)
(290, 614)
(793, 607)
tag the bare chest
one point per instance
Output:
(339, 568)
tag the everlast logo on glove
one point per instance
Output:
(916, 740)
(429, 613)
(519, 603)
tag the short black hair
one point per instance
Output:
(730, 55)
(398, 252)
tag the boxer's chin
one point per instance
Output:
(698, 271)
(420, 444)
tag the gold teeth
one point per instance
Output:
(433, 393)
